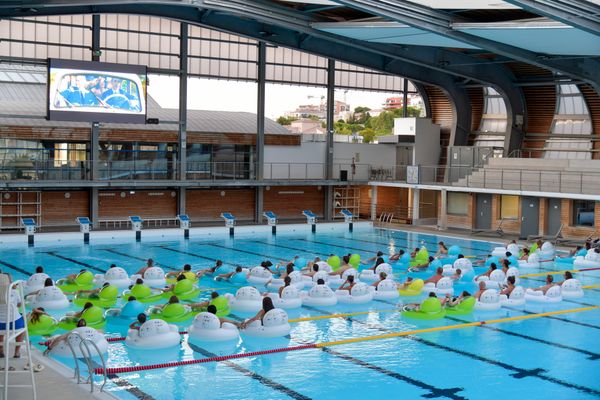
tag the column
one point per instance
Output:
(182, 131)
(373, 203)
(405, 98)
(415, 205)
(260, 130)
(328, 209)
(94, 131)
(443, 219)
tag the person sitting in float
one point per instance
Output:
(439, 274)
(548, 285)
(453, 301)
(348, 284)
(149, 264)
(417, 306)
(267, 305)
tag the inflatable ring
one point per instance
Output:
(488, 301)
(189, 275)
(334, 262)
(62, 349)
(116, 276)
(354, 260)
(34, 283)
(444, 286)
(571, 289)
(386, 289)
(359, 294)
(586, 262)
(106, 298)
(368, 275)
(153, 277)
(499, 252)
(207, 327)
(246, 299)
(422, 257)
(290, 298)
(152, 335)
(553, 295)
(94, 318)
(171, 313)
(184, 290)
(319, 296)
(239, 278)
(547, 252)
(259, 276)
(430, 309)
(45, 326)
(126, 314)
(143, 293)
(413, 289)
(454, 250)
(335, 281)
(50, 298)
(274, 324)
(463, 308)
(516, 298)
(222, 305)
(533, 261)
(83, 281)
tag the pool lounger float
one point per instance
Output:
(319, 296)
(290, 298)
(430, 309)
(553, 295)
(153, 277)
(386, 289)
(443, 287)
(49, 298)
(274, 324)
(62, 349)
(207, 327)
(360, 294)
(516, 298)
(116, 276)
(153, 334)
(488, 301)
(246, 299)
(370, 276)
(34, 283)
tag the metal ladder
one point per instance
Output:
(86, 347)
(8, 292)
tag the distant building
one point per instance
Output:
(393, 103)
(306, 126)
(341, 111)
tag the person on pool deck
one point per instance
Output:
(93, 293)
(396, 257)
(417, 306)
(229, 275)
(382, 276)
(348, 284)
(457, 274)
(453, 301)
(421, 267)
(370, 260)
(136, 325)
(186, 268)
(345, 266)
(510, 286)
(404, 286)
(439, 274)
(267, 305)
(16, 318)
(482, 289)
(567, 275)
(149, 264)
(525, 254)
(170, 287)
(289, 268)
(62, 338)
(47, 282)
(548, 285)
(487, 273)
(442, 250)
(213, 310)
(210, 270)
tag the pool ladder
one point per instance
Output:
(88, 350)
(386, 217)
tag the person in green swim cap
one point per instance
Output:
(417, 306)
(453, 301)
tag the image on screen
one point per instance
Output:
(105, 93)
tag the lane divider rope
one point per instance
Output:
(118, 370)
(558, 272)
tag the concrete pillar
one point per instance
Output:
(416, 194)
(181, 201)
(443, 219)
(182, 131)
(94, 207)
(373, 203)
(259, 204)
(328, 198)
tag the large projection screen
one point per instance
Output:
(96, 92)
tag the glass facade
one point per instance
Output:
(458, 203)
(493, 124)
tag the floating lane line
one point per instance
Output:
(558, 272)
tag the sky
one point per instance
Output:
(214, 94)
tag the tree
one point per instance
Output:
(361, 109)
(368, 135)
(286, 120)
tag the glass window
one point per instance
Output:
(509, 207)
(493, 122)
(458, 203)
(583, 212)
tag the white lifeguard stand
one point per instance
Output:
(349, 218)
(184, 223)
(229, 222)
(136, 226)
(271, 221)
(84, 227)
(311, 219)
(29, 224)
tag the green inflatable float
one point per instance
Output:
(171, 313)
(46, 325)
(94, 318)
(106, 298)
(431, 308)
(83, 281)
(184, 290)
(222, 305)
(355, 260)
(188, 275)
(413, 289)
(334, 262)
(143, 293)
(422, 257)
(464, 307)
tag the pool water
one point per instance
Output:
(552, 357)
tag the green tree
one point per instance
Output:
(286, 120)
(368, 135)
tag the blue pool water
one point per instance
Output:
(555, 357)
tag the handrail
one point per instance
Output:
(77, 372)
(84, 346)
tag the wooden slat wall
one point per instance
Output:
(476, 100)
(389, 199)
(592, 99)
(148, 136)
(286, 204)
(10, 210)
(441, 113)
(145, 203)
(59, 210)
(541, 106)
(208, 204)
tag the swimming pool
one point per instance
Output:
(554, 356)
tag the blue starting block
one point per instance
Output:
(29, 224)
(229, 222)
(271, 220)
(84, 227)
(184, 223)
(136, 226)
(311, 219)
(348, 217)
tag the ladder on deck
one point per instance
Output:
(88, 350)
(11, 294)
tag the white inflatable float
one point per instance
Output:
(571, 289)
(499, 252)
(246, 299)
(297, 280)
(274, 324)
(494, 281)
(359, 294)
(259, 276)
(590, 260)
(517, 297)
(553, 295)
(153, 277)
(464, 264)
(488, 301)
(35, 282)
(62, 348)
(152, 335)
(513, 271)
(50, 298)
(443, 287)
(533, 261)
(386, 289)
(319, 296)
(290, 298)
(207, 327)
(368, 275)
(116, 276)
(336, 281)
(546, 252)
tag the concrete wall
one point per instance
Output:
(376, 155)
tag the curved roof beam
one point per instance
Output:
(586, 69)
(579, 14)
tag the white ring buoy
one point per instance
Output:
(274, 324)
(246, 299)
(514, 249)
(259, 276)
(571, 289)
(319, 296)
(552, 295)
(35, 282)
(207, 327)
(513, 271)
(443, 287)
(488, 301)
(517, 297)
(386, 289)
(360, 294)
(116, 276)
(62, 348)
(297, 280)
(153, 334)
(290, 298)
(323, 266)
(546, 252)
(50, 298)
